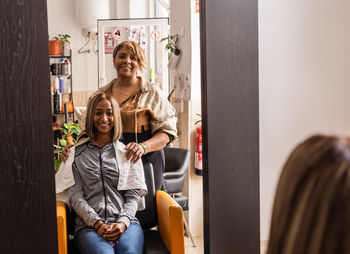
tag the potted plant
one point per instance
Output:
(65, 43)
(171, 46)
(70, 133)
(173, 50)
(55, 46)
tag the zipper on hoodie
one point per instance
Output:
(103, 184)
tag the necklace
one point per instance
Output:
(122, 92)
(131, 89)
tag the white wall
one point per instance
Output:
(185, 22)
(304, 81)
(62, 20)
(195, 55)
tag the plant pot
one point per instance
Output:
(66, 48)
(174, 58)
(55, 48)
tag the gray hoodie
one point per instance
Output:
(95, 196)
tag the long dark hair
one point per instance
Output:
(311, 212)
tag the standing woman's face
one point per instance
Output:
(126, 63)
(103, 117)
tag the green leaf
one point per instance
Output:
(57, 164)
(58, 150)
(63, 142)
(76, 132)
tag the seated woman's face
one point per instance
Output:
(103, 117)
(126, 63)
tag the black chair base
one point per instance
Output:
(153, 244)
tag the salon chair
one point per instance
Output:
(162, 222)
(176, 165)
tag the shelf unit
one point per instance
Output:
(64, 76)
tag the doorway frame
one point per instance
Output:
(231, 159)
(230, 120)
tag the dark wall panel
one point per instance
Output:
(230, 108)
(27, 195)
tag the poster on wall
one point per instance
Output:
(117, 33)
(155, 35)
(109, 43)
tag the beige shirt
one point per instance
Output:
(153, 111)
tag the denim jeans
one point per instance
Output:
(90, 242)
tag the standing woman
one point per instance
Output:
(149, 121)
(104, 187)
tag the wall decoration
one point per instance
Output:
(109, 43)
(117, 33)
(155, 35)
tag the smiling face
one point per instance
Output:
(103, 117)
(126, 63)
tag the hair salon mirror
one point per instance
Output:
(148, 34)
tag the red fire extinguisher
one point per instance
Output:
(198, 156)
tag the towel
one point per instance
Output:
(131, 175)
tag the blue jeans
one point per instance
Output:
(89, 241)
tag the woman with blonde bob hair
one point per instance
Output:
(104, 188)
(89, 123)
(311, 212)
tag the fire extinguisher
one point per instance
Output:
(198, 156)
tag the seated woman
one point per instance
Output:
(311, 213)
(107, 187)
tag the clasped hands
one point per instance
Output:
(110, 232)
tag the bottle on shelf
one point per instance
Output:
(56, 83)
(56, 103)
(64, 67)
(60, 97)
(61, 85)
(67, 63)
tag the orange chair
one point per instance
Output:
(161, 211)
(62, 227)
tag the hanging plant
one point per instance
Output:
(172, 46)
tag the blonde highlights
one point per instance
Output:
(135, 49)
(94, 99)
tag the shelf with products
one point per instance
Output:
(62, 87)
(60, 56)
(61, 75)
